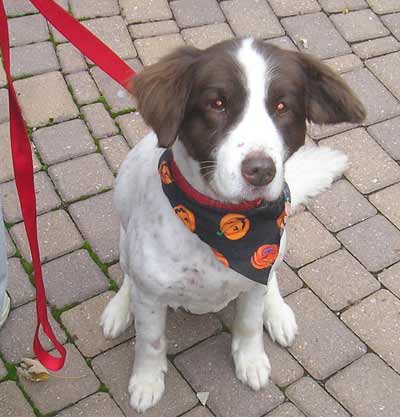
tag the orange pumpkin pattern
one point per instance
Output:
(234, 226)
(282, 219)
(264, 256)
(221, 258)
(165, 173)
(186, 216)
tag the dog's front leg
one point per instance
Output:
(251, 362)
(146, 385)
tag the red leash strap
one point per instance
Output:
(110, 63)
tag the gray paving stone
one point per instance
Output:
(45, 99)
(252, 18)
(205, 365)
(13, 401)
(283, 42)
(359, 25)
(287, 280)
(385, 134)
(46, 197)
(367, 174)
(189, 13)
(3, 371)
(73, 278)
(16, 335)
(10, 246)
(57, 236)
(114, 368)
(198, 412)
(387, 202)
(18, 8)
(313, 400)
(322, 38)
(307, 240)
(115, 273)
(88, 215)
(57, 36)
(81, 177)
(27, 29)
(7, 170)
(114, 33)
(341, 206)
(3, 80)
(19, 287)
(206, 36)
(114, 150)
(146, 30)
(33, 59)
(57, 393)
(286, 410)
(376, 47)
(335, 6)
(367, 388)
(71, 59)
(83, 87)
(345, 63)
(385, 69)
(151, 50)
(83, 324)
(390, 278)
(94, 8)
(142, 11)
(374, 242)
(99, 120)
(324, 344)
(384, 6)
(292, 7)
(133, 127)
(63, 141)
(4, 109)
(339, 280)
(392, 21)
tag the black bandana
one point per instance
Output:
(244, 237)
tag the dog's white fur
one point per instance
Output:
(164, 264)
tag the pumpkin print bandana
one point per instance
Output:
(244, 237)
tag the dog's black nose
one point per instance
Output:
(258, 169)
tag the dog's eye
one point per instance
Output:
(218, 104)
(281, 107)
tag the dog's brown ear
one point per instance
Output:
(328, 98)
(162, 90)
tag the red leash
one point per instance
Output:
(110, 63)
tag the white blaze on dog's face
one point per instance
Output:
(239, 109)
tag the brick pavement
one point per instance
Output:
(343, 265)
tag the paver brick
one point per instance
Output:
(367, 174)
(206, 36)
(12, 401)
(344, 63)
(151, 50)
(114, 150)
(27, 29)
(10, 246)
(286, 410)
(99, 120)
(57, 393)
(339, 280)
(63, 141)
(81, 177)
(33, 59)
(385, 134)
(205, 365)
(142, 11)
(283, 42)
(57, 36)
(284, 8)
(388, 203)
(71, 59)
(94, 8)
(115, 273)
(288, 281)
(330, 6)
(384, 6)
(252, 18)
(146, 30)
(307, 240)
(73, 278)
(133, 127)
(46, 197)
(367, 388)
(83, 87)
(3, 79)
(374, 242)
(20, 7)
(114, 368)
(189, 13)
(57, 236)
(88, 215)
(3, 372)
(4, 108)
(324, 344)
(198, 412)
(341, 206)
(17, 333)
(83, 324)
(390, 278)
(19, 287)
(322, 39)
(313, 400)
(45, 99)
(376, 47)
(359, 25)
(392, 21)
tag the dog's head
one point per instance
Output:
(240, 109)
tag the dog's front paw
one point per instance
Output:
(280, 322)
(146, 390)
(116, 317)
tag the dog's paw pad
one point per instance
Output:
(115, 318)
(252, 369)
(280, 322)
(145, 391)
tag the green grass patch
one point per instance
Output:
(122, 112)
(104, 388)
(95, 258)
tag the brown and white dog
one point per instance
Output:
(235, 116)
